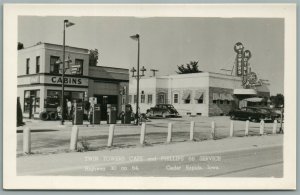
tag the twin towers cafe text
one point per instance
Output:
(71, 81)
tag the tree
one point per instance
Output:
(20, 46)
(277, 100)
(191, 67)
(93, 61)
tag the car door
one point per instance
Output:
(156, 110)
(242, 113)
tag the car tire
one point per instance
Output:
(44, 116)
(53, 116)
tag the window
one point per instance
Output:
(79, 63)
(143, 98)
(130, 99)
(134, 99)
(31, 101)
(37, 64)
(54, 66)
(199, 97)
(216, 97)
(186, 97)
(150, 99)
(175, 98)
(27, 65)
(221, 101)
(187, 101)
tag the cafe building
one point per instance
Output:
(205, 93)
(40, 80)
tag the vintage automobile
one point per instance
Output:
(254, 114)
(162, 110)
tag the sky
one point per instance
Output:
(166, 42)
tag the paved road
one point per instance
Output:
(257, 162)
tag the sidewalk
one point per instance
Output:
(49, 164)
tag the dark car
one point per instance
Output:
(162, 110)
(254, 114)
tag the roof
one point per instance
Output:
(44, 43)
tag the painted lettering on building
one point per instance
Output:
(67, 80)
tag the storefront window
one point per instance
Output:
(54, 97)
(54, 66)
(77, 96)
(31, 101)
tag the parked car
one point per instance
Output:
(162, 110)
(254, 114)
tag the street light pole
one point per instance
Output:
(63, 75)
(66, 24)
(138, 82)
(137, 37)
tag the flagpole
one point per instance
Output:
(63, 75)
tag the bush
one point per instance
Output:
(85, 145)
(19, 113)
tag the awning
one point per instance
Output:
(186, 96)
(254, 99)
(244, 92)
(229, 97)
(216, 96)
(198, 95)
(222, 96)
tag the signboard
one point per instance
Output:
(239, 48)
(246, 57)
(67, 80)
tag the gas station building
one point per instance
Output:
(39, 80)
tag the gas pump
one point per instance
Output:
(111, 114)
(128, 114)
(96, 114)
(78, 114)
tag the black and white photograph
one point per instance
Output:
(150, 96)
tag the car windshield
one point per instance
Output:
(250, 110)
(170, 106)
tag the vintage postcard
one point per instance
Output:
(149, 96)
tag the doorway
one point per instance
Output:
(103, 100)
